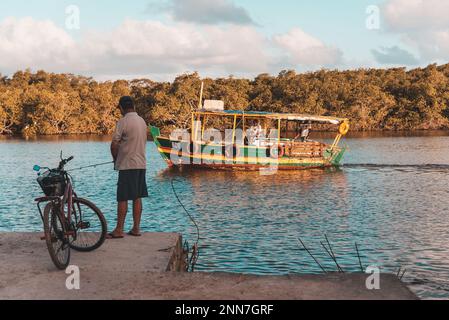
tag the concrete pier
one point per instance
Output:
(136, 268)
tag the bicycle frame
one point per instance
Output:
(69, 194)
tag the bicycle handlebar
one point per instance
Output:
(60, 166)
(64, 162)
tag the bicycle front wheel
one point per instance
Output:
(56, 236)
(90, 226)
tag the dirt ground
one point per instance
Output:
(134, 268)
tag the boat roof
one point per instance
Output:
(277, 116)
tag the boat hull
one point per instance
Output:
(245, 158)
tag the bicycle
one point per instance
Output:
(69, 222)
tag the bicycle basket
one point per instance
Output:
(52, 183)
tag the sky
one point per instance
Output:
(160, 39)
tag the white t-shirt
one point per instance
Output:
(131, 134)
(305, 133)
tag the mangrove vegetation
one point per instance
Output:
(44, 103)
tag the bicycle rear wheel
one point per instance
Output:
(56, 236)
(90, 225)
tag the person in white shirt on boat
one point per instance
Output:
(254, 135)
(305, 133)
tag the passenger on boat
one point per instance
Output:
(305, 133)
(254, 135)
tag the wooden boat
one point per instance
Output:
(239, 149)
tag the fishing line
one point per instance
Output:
(195, 251)
(91, 166)
(186, 211)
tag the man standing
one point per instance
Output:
(128, 149)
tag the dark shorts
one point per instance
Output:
(132, 185)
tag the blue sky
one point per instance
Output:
(276, 35)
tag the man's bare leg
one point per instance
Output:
(137, 215)
(122, 210)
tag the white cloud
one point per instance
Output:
(29, 43)
(204, 11)
(157, 50)
(305, 50)
(414, 15)
(134, 47)
(422, 25)
(157, 47)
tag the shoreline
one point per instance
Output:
(143, 272)
(318, 134)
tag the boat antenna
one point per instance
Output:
(201, 96)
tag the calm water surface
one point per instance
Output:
(391, 197)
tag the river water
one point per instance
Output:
(391, 196)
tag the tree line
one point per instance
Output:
(44, 103)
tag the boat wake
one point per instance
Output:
(403, 167)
